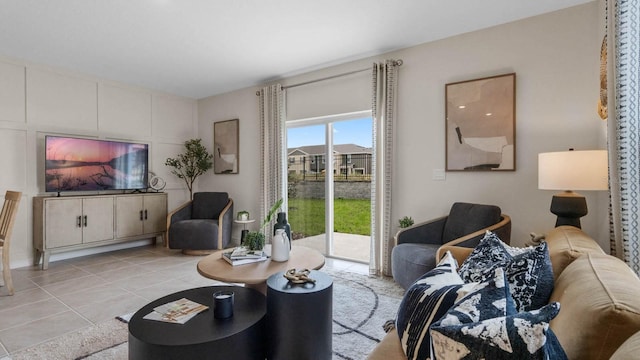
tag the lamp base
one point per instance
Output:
(569, 207)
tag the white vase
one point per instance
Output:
(280, 246)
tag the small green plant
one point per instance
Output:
(254, 240)
(243, 215)
(405, 221)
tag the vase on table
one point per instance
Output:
(281, 223)
(280, 246)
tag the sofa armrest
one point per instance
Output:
(459, 253)
(389, 348)
(428, 232)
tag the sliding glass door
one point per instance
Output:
(329, 184)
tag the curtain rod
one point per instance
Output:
(398, 62)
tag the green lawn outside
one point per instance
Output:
(306, 216)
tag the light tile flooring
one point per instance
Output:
(76, 293)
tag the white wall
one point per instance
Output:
(36, 100)
(556, 61)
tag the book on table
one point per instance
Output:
(242, 255)
(177, 312)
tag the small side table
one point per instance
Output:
(244, 228)
(299, 318)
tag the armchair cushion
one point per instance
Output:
(188, 234)
(208, 205)
(465, 218)
(410, 259)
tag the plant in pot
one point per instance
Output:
(405, 222)
(195, 161)
(254, 240)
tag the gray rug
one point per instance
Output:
(361, 305)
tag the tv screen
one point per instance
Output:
(75, 164)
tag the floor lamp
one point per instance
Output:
(572, 170)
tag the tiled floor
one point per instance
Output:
(76, 293)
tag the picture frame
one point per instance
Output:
(226, 145)
(480, 118)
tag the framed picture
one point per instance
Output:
(225, 147)
(480, 121)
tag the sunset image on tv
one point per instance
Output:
(75, 164)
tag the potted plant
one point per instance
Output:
(243, 215)
(405, 222)
(195, 161)
(254, 240)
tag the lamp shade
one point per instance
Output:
(573, 170)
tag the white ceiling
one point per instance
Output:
(199, 48)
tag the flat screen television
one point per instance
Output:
(76, 164)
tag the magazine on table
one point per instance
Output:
(242, 255)
(177, 312)
(242, 252)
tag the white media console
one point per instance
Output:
(70, 223)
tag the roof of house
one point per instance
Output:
(321, 149)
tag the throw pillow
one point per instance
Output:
(528, 270)
(425, 302)
(524, 335)
(485, 301)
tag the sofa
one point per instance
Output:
(599, 298)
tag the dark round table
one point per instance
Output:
(299, 318)
(203, 336)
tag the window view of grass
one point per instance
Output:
(306, 216)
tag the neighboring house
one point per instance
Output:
(348, 159)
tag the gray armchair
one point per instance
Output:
(466, 224)
(202, 225)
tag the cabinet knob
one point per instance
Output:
(85, 221)
(145, 214)
(141, 218)
(79, 221)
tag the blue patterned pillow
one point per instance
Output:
(524, 335)
(485, 301)
(425, 302)
(528, 270)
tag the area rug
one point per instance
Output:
(361, 306)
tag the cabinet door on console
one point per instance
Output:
(130, 216)
(63, 222)
(155, 207)
(97, 219)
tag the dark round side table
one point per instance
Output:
(299, 318)
(203, 336)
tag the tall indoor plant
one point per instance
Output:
(193, 162)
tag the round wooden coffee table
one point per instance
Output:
(255, 275)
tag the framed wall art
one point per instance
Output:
(226, 147)
(480, 118)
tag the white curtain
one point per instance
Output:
(385, 77)
(623, 32)
(272, 165)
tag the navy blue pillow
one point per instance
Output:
(485, 301)
(524, 335)
(528, 270)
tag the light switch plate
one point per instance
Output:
(438, 175)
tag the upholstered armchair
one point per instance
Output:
(201, 225)
(415, 247)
